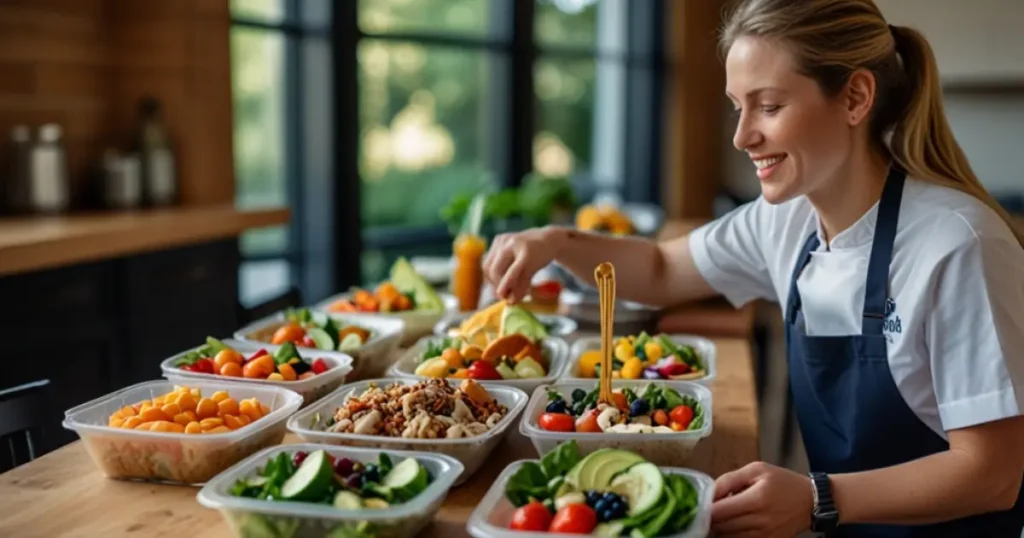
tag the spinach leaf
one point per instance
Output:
(384, 464)
(672, 398)
(527, 483)
(559, 461)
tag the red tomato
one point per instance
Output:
(556, 422)
(257, 355)
(306, 342)
(576, 518)
(531, 517)
(548, 287)
(588, 422)
(682, 415)
(483, 370)
(320, 366)
(205, 366)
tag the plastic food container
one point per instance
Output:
(311, 389)
(557, 325)
(470, 451)
(417, 324)
(493, 513)
(316, 520)
(704, 347)
(556, 350)
(180, 458)
(668, 449)
(369, 360)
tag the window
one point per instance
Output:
(369, 118)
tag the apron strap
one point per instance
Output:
(793, 302)
(877, 287)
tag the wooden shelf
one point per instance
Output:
(34, 243)
(984, 86)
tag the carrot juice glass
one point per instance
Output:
(468, 272)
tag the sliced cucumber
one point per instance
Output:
(312, 479)
(506, 372)
(407, 479)
(351, 342)
(320, 338)
(642, 485)
(346, 500)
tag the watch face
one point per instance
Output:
(825, 521)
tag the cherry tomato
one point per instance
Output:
(290, 332)
(483, 370)
(549, 287)
(191, 367)
(676, 368)
(320, 366)
(307, 342)
(257, 355)
(682, 415)
(588, 422)
(531, 517)
(576, 518)
(660, 417)
(556, 422)
(206, 365)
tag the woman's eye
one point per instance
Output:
(770, 109)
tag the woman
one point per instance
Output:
(899, 277)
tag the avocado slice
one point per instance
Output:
(519, 320)
(597, 469)
(407, 280)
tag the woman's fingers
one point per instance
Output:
(499, 263)
(511, 286)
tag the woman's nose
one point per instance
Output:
(746, 136)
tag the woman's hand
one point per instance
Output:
(761, 501)
(514, 258)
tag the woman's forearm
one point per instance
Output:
(646, 272)
(944, 486)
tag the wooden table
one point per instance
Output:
(63, 494)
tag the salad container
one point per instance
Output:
(471, 452)
(311, 389)
(663, 449)
(418, 323)
(555, 349)
(493, 514)
(371, 359)
(556, 325)
(249, 517)
(704, 347)
(181, 458)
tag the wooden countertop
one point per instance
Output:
(34, 243)
(63, 494)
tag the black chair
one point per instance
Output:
(23, 413)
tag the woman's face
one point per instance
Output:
(797, 138)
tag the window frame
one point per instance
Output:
(511, 34)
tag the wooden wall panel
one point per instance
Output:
(85, 64)
(695, 96)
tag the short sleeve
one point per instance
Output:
(975, 332)
(729, 255)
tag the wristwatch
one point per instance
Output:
(825, 517)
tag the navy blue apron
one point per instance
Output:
(851, 414)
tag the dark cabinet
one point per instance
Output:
(96, 327)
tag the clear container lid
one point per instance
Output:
(302, 422)
(443, 470)
(340, 365)
(492, 515)
(94, 416)
(538, 401)
(556, 350)
(705, 347)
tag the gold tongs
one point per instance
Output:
(604, 276)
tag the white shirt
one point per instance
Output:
(956, 327)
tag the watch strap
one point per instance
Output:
(824, 517)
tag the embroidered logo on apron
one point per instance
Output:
(892, 324)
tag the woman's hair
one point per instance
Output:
(830, 39)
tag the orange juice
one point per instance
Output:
(468, 273)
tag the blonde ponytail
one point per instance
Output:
(922, 141)
(833, 38)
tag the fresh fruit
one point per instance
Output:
(531, 517)
(556, 422)
(529, 367)
(588, 363)
(682, 415)
(217, 358)
(321, 339)
(506, 346)
(289, 332)
(574, 519)
(320, 366)
(517, 320)
(588, 422)
(405, 278)
(483, 370)
(436, 367)
(596, 470)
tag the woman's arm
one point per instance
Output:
(658, 274)
(981, 472)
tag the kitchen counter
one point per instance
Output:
(65, 494)
(36, 243)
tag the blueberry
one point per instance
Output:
(557, 406)
(592, 497)
(371, 474)
(607, 515)
(610, 497)
(639, 407)
(578, 395)
(601, 505)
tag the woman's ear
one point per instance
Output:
(859, 96)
